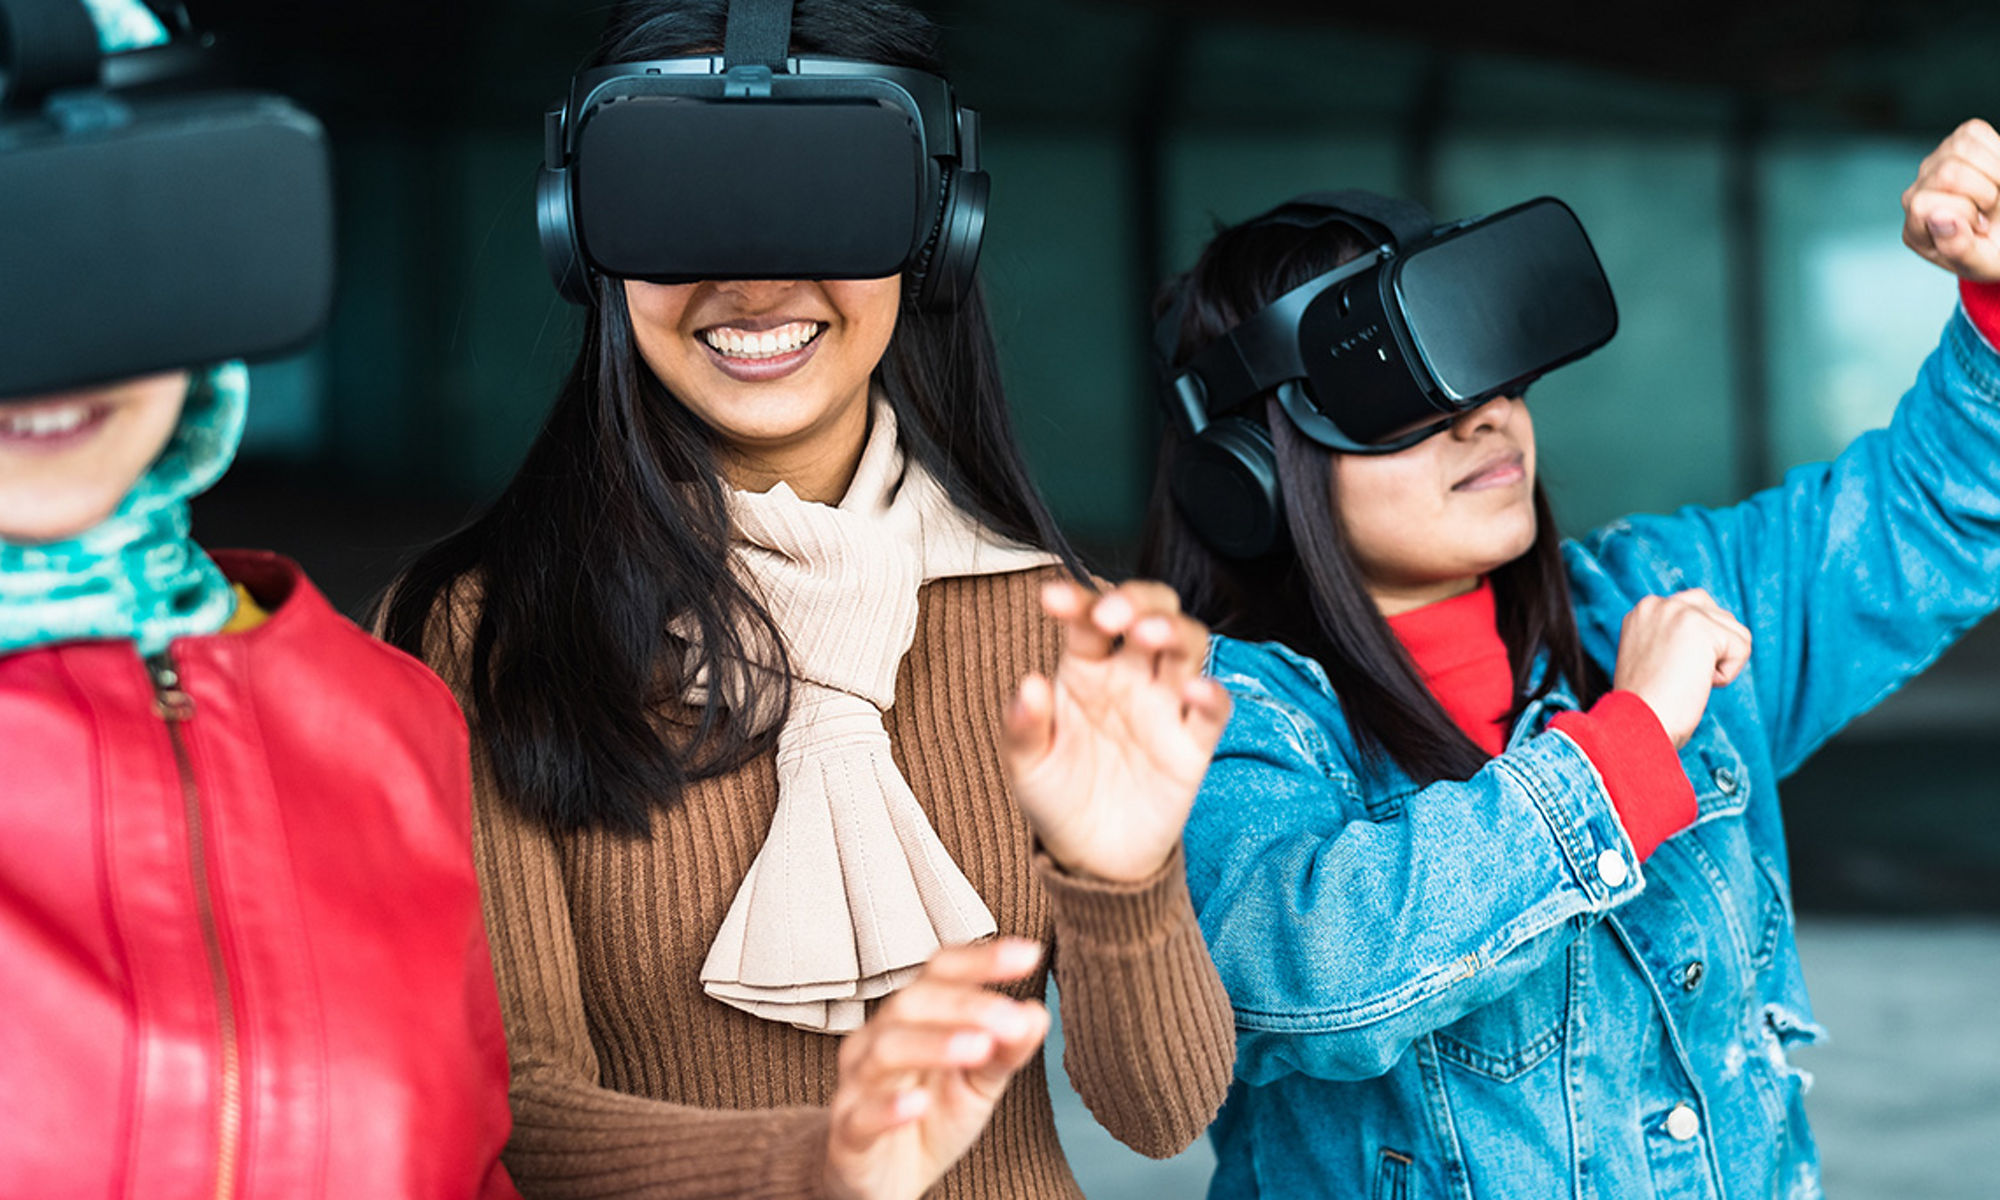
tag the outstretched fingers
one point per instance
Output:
(947, 1020)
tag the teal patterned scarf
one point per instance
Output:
(136, 577)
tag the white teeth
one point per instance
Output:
(44, 422)
(744, 344)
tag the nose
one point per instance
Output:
(755, 293)
(1494, 414)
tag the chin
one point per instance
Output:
(1514, 545)
(57, 527)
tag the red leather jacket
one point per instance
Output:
(241, 952)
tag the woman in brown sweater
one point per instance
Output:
(781, 679)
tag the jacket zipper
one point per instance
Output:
(176, 708)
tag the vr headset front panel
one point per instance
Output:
(200, 230)
(676, 189)
(1480, 310)
(1505, 300)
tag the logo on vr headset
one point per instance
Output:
(1367, 337)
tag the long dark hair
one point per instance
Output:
(1309, 593)
(562, 593)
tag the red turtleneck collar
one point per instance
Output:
(1457, 649)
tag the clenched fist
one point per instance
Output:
(1675, 650)
(1951, 214)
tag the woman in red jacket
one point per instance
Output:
(241, 952)
(239, 925)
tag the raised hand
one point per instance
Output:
(920, 1079)
(1951, 214)
(1674, 650)
(1106, 759)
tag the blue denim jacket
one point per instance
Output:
(1473, 989)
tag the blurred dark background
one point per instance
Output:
(1739, 167)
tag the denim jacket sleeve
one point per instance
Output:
(1852, 575)
(1343, 934)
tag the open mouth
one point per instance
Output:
(47, 426)
(762, 345)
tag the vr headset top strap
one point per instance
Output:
(758, 34)
(49, 45)
(1387, 219)
(174, 15)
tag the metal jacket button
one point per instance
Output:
(1682, 1123)
(1692, 973)
(1726, 780)
(1612, 870)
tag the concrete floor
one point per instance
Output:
(1906, 1098)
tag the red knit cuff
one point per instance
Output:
(1982, 304)
(1624, 740)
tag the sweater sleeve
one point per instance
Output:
(572, 1136)
(1624, 740)
(1149, 1040)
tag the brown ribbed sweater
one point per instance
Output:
(627, 1079)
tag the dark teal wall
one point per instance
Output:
(1769, 311)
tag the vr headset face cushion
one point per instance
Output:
(676, 190)
(152, 246)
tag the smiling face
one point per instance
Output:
(779, 370)
(68, 461)
(1425, 523)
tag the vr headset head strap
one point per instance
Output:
(758, 34)
(1388, 220)
(1222, 375)
(49, 45)
(174, 15)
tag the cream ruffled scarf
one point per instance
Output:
(852, 890)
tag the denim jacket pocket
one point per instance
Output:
(1509, 1037)
(1392, 1176)
(1774, 917)
(1720, 778)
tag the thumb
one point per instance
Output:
(1961, 238)
(1029, 726)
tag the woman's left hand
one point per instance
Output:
(1951, 214)
(1106, 759)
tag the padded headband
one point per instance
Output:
(759, 34)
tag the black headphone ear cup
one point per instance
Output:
(561, 252)
(1225, 481)
(944, 272)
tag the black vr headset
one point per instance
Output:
(759, 165)
(1379, 354)
(144, 228)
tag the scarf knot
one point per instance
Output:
(852, 891)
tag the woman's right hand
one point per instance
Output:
(1674, 650)
(920, 1079)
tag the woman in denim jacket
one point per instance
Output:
(1491, 859)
